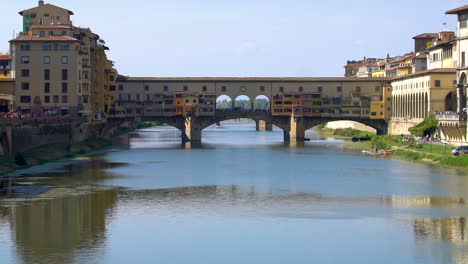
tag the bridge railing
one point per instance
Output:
(450, 117)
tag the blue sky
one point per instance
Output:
(246, 37)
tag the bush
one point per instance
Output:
(20, 160)
(380, 142)
(427, 127)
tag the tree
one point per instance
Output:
(427, 127)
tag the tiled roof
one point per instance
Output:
(442, 70)
(427, 35)
(48, 38)
(441, 43)
(5, 57)
(457, 10)
(69, 12)
(51, 27)
(246, 79)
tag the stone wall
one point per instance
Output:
(400, 127)
(350, 124)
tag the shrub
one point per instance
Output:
(427, 127)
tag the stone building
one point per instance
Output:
(61, 69)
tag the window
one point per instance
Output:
(64, 75)
(464, 21)
(64, 99)
(223, 88)
(185, 88)
(437, 83)
(358, 89)
(64, 59)
(320, 89)
(25, 99)
(64, 33)
(262, 88)
(25, 60)
(138, 97)
(46, 75)
(463, 59)
(204, 88)
(301, 89)
(51, 33)
(47, 87)
(281, 89)
(25, 47)
(64, 87)
(25, 86)
(166, 88)
(112, 88)
(148, 97)
(146, 87)
(24, 73)
(55, 99)
(377, 88)
(46, 59)
(42, 34)
(112, 78)
(46, 99)
(339, 89)
(121, 87)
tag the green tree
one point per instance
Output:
(427, 127)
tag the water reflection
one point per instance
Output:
(59, 230)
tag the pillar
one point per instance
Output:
(461, 102)
(297, 131)
(192, 130)
(263, 125)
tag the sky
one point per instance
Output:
(246, 38)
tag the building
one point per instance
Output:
(5, 66)
(61, 69)
(424, 41)
(7, 87)
(352, 67)
(418, 95)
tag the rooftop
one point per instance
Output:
(41, 5)
(48, 38)
(457, 10)
(442, 70)
(426, 35)
(248, 79)
(5, 57)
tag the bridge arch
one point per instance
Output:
(462, 79)
(243, 102)
(262, 102)
(379, 125)
(224, 102)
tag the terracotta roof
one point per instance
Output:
(69, 12)
(51, 27)
(442, 70)
(248, 79)
(48, 38)
(426, 35)
(457, 10)
(5, 57)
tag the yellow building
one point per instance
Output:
(7, 89)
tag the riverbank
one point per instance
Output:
(432, 153)
(49, 153)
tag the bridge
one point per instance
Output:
(295, 104)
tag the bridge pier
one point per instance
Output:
(297, 129)
(262, 125)
(192, 131)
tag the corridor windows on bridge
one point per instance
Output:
(358, 89)
(377, 88)
(320, 89)
(262, 88)
(223, 103)
(243, 89)
(204, 88)
(262, 103)
(339, 89)
(223, 88)
(281, 89)
(185, 88)
(243, 103)
(25, 86)
(301, 89)
(121, 87)
(146, 87)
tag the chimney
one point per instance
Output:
(41, 3)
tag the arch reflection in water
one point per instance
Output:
(54, 231)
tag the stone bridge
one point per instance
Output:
(294, 126)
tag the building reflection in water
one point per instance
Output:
(54, 231)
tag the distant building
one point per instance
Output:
(61, 69)
(424, 41)
(5, 66)
(352, 67)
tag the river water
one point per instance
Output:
(241, 197)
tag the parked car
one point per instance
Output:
(460, 150)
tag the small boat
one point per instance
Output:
(307, 139)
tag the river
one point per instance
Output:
(241, 197)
